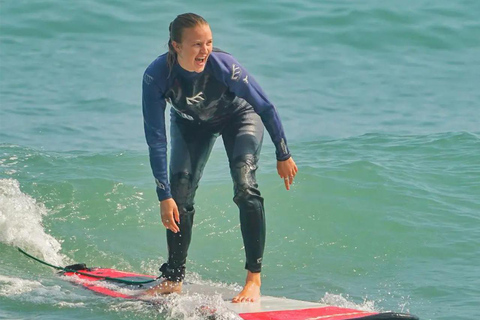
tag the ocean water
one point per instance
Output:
(381, 107)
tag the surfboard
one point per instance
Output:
(268, 308)
(130, 285)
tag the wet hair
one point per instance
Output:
(181, 22)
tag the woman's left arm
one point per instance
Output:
(245, 86)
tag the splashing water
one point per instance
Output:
(16, 286)
(340, 301)
(21, 223)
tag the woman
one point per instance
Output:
(211, 94)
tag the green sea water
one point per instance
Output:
(381, 107)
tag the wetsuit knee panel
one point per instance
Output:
(181, 185)
(181, 178)
(243, 171)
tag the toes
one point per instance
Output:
(244, 298)
(238, 299)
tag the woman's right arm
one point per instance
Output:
(154, 104)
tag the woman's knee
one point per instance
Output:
(183, 189)
(245, 185)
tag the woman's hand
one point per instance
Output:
(287, 170)
(170, 215)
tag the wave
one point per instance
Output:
(21, 223)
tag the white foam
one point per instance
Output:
(39, 293)
(21, 223)
(196, 307)
(15, 286)
(64, 304)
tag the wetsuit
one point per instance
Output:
(221, 100)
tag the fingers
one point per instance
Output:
(170, 215)
(176, 215)
(288, 181)
(287, 170)
(170, 224)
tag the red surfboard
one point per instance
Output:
(130, 285)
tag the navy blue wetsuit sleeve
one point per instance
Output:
(244, 86)
(154, 104)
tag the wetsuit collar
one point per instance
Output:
(185, 73)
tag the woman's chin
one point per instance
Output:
(199, 69)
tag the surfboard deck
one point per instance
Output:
(267, 308)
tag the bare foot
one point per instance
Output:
(251, 290)
(165, 287)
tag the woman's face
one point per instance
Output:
(196, 46)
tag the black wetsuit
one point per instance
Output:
(222, 100)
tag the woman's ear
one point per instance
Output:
(176, 46)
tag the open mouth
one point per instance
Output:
(201, 60)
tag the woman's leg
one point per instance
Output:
(243, 140)
(190, 148)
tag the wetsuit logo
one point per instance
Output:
(147, 78)
(245, 80)
(195, 99)
(159, 184)
(236, 72)
(283, 145)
